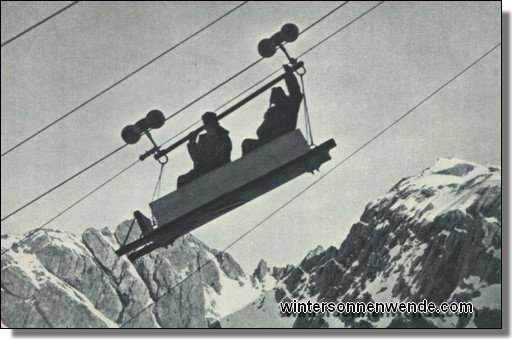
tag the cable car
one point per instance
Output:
(231, 185)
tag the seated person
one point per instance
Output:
(281, 116)
(211, 151)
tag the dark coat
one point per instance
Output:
(211, 151)
(282, 118)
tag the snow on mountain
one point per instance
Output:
(261, 313)
(34, 280)
(434, 236)
(55, 279)
(449, 185)
(233, 294)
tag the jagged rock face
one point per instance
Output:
(435, 236)
(281, 272)
(54, 279)
(46, 283)
(261, 270)
(129, 286)
(229, 266)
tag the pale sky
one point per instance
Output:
(357, 83)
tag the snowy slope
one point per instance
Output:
(436, 235)
(261, 313)
(449, 185)
(55, 279)
(28, 284)
(233, 294)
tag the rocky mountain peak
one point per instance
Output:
(458, 167)
(313, 253)
(261, 270)
(434, 236)
(56, 279)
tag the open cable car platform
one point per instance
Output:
(227, 188)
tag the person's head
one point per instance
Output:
(210, 121)
(278, 96)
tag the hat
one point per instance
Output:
(209, 117)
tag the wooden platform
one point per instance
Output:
(229, 187)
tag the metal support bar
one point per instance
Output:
(292, 60)
(228, 111)
(151, 139)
